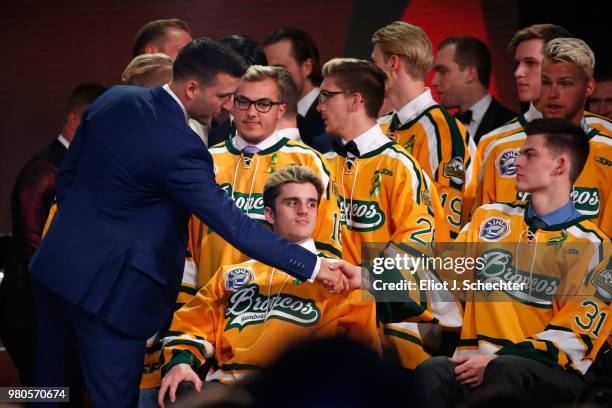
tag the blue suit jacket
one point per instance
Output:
(128, 184)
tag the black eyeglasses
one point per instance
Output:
(325, 95)
(261, 105)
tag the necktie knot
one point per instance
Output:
(343, 150)
(395, 123)
(465, 117)
(538, 223)
(251, 149)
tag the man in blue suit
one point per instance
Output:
(108, 270)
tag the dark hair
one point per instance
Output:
(82, 96)
(154, 30)
(204, 58)
(359, 76)
(303, 47)
(471, 51)
(545, 32)
(563, 136)
(249, 49)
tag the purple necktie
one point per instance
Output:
(251, 150)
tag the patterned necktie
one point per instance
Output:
(342, 150)
(465, 117)
(395, 123)
(251, 149)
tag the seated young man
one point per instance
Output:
(249, 312)
(549, 330)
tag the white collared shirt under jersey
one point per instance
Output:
(240, 143)
(306, 102)
(63, 141)
(478, 111)
(415, 107)
(290, 133)
(370, 140)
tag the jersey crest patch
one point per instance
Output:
(505, 163)
(603, 283)
(455, 170)
(238, 277)
(494, 229)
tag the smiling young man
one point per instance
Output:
(567, 82)
(548, 332)
(249, 313)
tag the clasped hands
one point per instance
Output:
(339, 276)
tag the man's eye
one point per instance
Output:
(263, 104)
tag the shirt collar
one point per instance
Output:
(306, 102)
(176, 98)
(290, 133)
(561, 215)
(532, 113)
(370, 140)
(413, 108)
(479, 108)
(63, 141)
(309, 245)
(240, 143)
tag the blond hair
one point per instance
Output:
(290, 174)
(572, 50)
(257, 73)
(148, 70)
(408, 42)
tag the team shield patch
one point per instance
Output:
(238, 277)
(505, 163)
(603, 283)
(455, 170)
(494, 229)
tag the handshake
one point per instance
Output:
(339, 276)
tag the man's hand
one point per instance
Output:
(470, 369)
(351, 272)
(172, 379)
(332, 278)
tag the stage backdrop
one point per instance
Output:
(53, 46)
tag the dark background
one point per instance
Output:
(53, 46)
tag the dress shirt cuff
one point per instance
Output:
(316, 270)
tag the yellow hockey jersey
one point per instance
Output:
(443, 149)
(592, 192)
(560, 312)
(249, 313)
(383, 198)
(601, 124)
(243, 177)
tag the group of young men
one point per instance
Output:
(344, 173)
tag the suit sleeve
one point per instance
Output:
(190, 181)
(67, 173)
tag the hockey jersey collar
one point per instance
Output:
(415, 107)
(269, 145)
(552, 227)
(371, 141)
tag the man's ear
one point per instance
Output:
(192, 89)
(282, 108)
(471, 74)
(590, 87)
(395, 63)
(562, 165)
(269, 215)
(150, 49)
(356, 100)
(73, 120)
(307, 68)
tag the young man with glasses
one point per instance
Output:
(243, 164)
(436, 139)
(380, 187)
